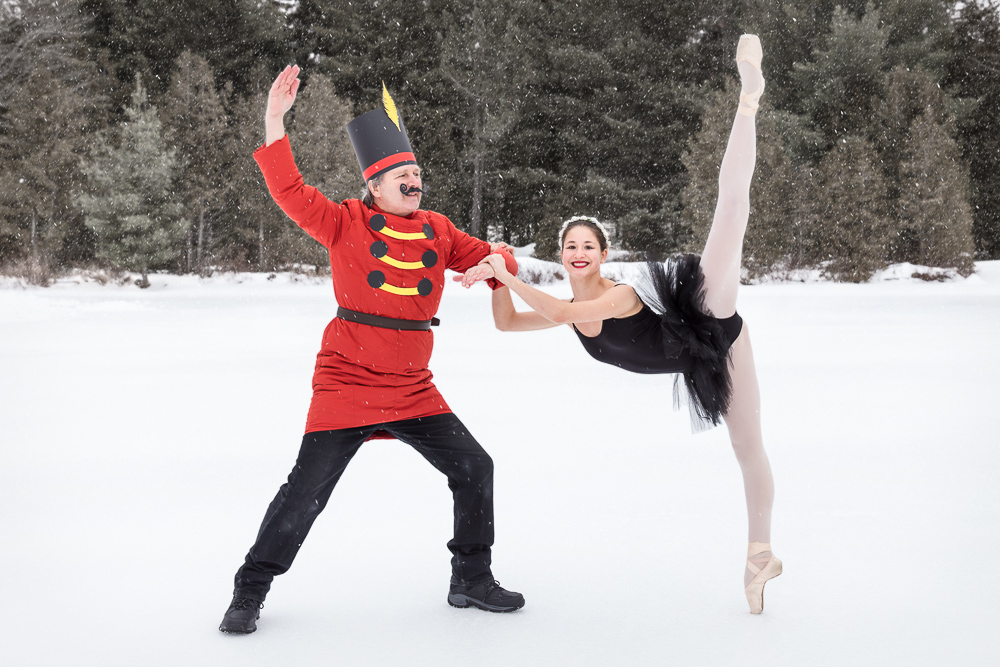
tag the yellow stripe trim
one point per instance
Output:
(402, 236)
(402, 291)
(401, 265)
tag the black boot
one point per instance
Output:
(241, 617)
(485, 594)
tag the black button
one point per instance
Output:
(424, 287)
(376, 279)
(377, 222)
(429, 258)
(428, 230)
(379, 249)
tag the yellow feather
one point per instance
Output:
(390, 107)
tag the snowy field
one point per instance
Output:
(144, 432)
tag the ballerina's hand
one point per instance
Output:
(479, 272)
(499, 265)
(485, 269)
(283, 91)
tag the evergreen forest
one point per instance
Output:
(127, 127)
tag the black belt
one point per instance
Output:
(387, 322)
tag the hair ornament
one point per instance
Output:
(584, 218)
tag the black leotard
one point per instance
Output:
(672, 333)
(635, 343)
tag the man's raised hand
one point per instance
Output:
(283, 92)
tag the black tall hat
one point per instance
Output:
(379, 139)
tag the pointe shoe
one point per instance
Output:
(749, 51)
(771, 569)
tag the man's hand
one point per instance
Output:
(283, 92)
(496, 247)
(479, 272)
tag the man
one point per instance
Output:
(388, 259)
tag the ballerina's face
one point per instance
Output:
(581, 252)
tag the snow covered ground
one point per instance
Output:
(144, 432)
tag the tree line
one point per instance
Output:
(127, 127)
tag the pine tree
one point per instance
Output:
(195, 123)
(910, 95)
(701, 160)
(848, 223)
(918, 33)
(132, 207)
(789, 30)
(147, 36)
(907, 94)
(485, 59)
(934, 200)
(543, 194)
(843, 81)
(974, 73)
(607, 119)
(774, 234)
(48, 93)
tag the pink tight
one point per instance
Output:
(720, 262)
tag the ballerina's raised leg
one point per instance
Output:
(720, 264)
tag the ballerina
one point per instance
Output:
(695, 329)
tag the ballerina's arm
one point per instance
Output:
(507, 318)
(613, 303)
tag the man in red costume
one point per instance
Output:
(388, 259)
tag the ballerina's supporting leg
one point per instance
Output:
(743, 422)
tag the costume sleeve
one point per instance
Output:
(321, 218)
(467, 251)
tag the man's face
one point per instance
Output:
(390, 198)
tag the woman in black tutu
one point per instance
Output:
(685, 322)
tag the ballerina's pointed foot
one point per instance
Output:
(749, 51)
(764, 566)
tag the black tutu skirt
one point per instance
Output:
(676, 292)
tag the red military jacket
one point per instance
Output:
(389, 266)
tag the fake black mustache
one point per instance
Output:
(412, 190)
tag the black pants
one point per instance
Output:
(442, 439)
